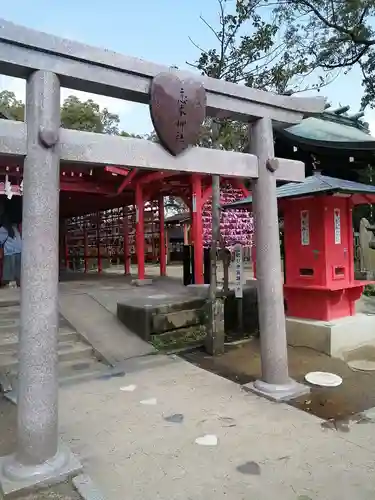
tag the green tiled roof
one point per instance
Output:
(314, 184)
(332, 129)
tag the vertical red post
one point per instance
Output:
(254, 259)
(139, 231)
(197, 227)
(162, 248)
(152, 226)
(98, 222)
(126, 241)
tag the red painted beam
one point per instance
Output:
(85, 187)
(117, 170)
(128, 179)
(156, 176)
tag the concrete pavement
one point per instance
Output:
(139, 443)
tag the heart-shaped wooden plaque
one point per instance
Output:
(178, 109)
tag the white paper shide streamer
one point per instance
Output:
(8, 188)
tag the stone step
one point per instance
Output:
(68, 350)
(74, 370)
(9, 303)
(151, 315)
(77, 359)
(9, 338)
(70, 372)
(14, 326)
(165, 322)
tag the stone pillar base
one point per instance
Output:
(16, 478)
(334, 338)
(277, 392)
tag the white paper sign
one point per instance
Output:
(194, 203)
(337, 223)
(305, 228)
(238, 263)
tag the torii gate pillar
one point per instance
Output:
(275, 382)
(162, 246)
(39, 456)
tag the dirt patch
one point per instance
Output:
(8, 436)
(63, 491)
(241, 364)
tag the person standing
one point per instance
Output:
(11, 242)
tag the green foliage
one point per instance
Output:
(334, 35)
(230, 135)
(251, 46)
(369, 291)
(75, 114)
(10, 106)
(87, 115)
(135, 136)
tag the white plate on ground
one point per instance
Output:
(323, 379)
(362, 365)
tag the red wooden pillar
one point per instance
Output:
(98, 224)
(140, 231)
(152, 225)
(197, 227)
(254, 259)
(162, 248)
(126, 241)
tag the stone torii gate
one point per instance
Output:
(47, 62)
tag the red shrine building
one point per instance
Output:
(117, 215)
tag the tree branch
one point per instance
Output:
(333, 25)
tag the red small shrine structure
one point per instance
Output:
(318, 241)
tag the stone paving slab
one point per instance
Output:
(139, 442)
(102, 329)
